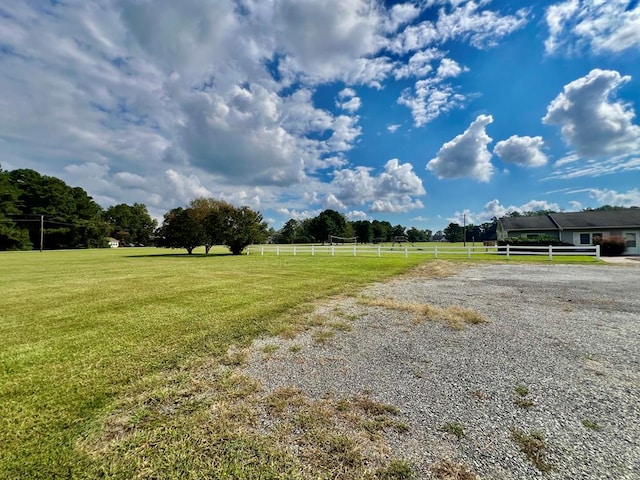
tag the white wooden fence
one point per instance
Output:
(436, 251)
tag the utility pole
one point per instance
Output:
(464, 228)
(41, 232)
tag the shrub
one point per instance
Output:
(541, 241)
(610, 246)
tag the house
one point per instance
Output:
(578, 228)
(113, 242)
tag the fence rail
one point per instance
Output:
(435, 251)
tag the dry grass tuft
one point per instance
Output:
(437, 269)
(455, 316)
(447, 469)
(534, 446)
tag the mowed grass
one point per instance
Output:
(78, 328)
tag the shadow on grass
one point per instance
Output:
(183, 255)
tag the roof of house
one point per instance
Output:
(590, 219)
(538, 222)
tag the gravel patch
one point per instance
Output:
(562, 340)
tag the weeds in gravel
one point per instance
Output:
(534, 446)
(270, 348)
(397, 470)
(454, 428)
(323, 336)
(447, 469)
(456, 317)
(295, 348)
(591, 425)
(522, 399)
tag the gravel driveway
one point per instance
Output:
(560, 356)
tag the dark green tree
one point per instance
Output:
(12, 236)
(328, 222)
(416, 235)
(214, 215)
(244, 227)
(289, 231)
(130, 224)
(382, 230)
(453, 233)
(180, 230)
(363, 230)
(71, 218)
(398, 231)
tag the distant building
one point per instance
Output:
(579, 228)
(113, 243)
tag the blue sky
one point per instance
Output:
(412, 112)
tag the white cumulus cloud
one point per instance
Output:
(593, 122)
(467, 154)
(630, 198)
(523, 151)
(393, 190)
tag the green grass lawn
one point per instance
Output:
(78, 327)
(83, 332)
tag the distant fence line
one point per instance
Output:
(435, 250)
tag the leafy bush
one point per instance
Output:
(610, 246)
(540, 241)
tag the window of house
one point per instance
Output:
(585, 239)
(630, 240)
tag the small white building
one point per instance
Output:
(113, 242)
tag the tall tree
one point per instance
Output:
(213, 215)
(130, 224)
(382, 230)
(71, 218)
(289, 231)
(328, 222)
(453, 233)
(244, 228)
(180, 230)
(363, 230)
(12, 236)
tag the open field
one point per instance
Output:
(78, 327)
(89, 333)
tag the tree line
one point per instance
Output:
(330, 223)
(38, 209)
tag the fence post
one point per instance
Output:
(313, 250)
(507, 251)
(550, 252)
(278, 251)
(354, 250)
(468, 252)
(333, 251)
(597, 252)
(262, 250)
(378, 250)
(294, 250)
(406, 252)
(435, 251)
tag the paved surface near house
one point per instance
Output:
(629, 260)
(570, 334)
